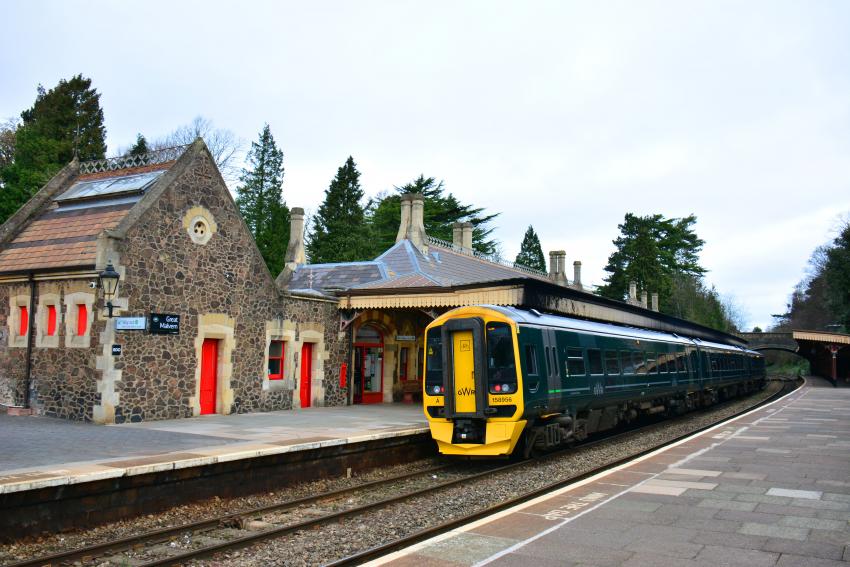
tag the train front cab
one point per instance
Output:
(473, 386)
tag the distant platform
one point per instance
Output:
(38, 452)
(771, 488)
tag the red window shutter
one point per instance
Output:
(51, 320)
(25, 321)
(82, 319)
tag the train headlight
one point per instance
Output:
(436, 390)
(505, 388)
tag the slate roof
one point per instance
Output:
(404, 266)
(64, 234)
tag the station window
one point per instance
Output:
(612, 362)
(531, 360)
(51, 320)
(277, 350)
(575, 362)
(403, 361)
(82, 319)
(24, 326)
(594, 360)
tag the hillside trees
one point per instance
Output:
(531, 252)
(63, 122)
(260, 199)
(339, 229)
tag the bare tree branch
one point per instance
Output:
(224, 146)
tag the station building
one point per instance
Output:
(201, 325)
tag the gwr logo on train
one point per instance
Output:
(465, 392)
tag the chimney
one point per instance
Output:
(655, 301)
(457, 235)
(416, 230)
(295, 250)
(643, 299)
(577, 274)
(633, 291)
(466, 237)
(405, 218)
(557, 267)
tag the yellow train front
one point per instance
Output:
(473, 387)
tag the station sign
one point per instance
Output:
(116, 350)
(405, 337)
(165, 324)
(131, 323)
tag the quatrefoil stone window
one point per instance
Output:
(199, 225)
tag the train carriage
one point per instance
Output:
(499, 378)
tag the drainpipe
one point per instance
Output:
(30, 331)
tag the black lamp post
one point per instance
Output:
(109, 283)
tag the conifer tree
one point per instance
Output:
(260, 200)
(65, 121)
(339, 232)
(140, 148)
(530, 252)
(442, 210)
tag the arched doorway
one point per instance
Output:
(368, 375)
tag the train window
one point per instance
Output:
(714, 364)
(612, 362)
(434, 363)
(628, 365)
(651, 363)
(662, 363)
(594, 360)
(531, 360)
(639, 360)
(680, 362)
(501, 365)
(575, 362)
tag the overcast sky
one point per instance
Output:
(565, 115)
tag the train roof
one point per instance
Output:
(530, 317)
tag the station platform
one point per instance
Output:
(771, 488)
(39, 452)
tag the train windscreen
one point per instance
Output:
(434, 363)
(501, 363)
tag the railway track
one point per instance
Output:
(186, 542)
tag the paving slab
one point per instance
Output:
(736, 495)
(38, 452)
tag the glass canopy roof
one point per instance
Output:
(110, 186)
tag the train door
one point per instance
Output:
(466, 388)
(553, 372)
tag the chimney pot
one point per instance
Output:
(633, 291)
(295, 255)
(416, 229)
(557, 267)
(577, 274)
(457, 235)
(655, 301)
(466, 237)
(404, 225)
(643, 298)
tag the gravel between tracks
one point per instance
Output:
(333, 541)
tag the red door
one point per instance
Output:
(306, 373)
(209, 366)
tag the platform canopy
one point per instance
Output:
(828, 353)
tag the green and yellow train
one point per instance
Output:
(503, 379)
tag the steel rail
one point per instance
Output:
(163, 534)
(427, 533)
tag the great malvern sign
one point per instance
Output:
(165, 324)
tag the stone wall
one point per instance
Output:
(187, 253)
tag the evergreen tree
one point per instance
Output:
(530, 252)
(64, 121)
(140, 148)
(837, 275)
(260, 200)
(651, 250)
(340, 232)
(441, 212)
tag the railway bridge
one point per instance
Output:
(827, 352)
